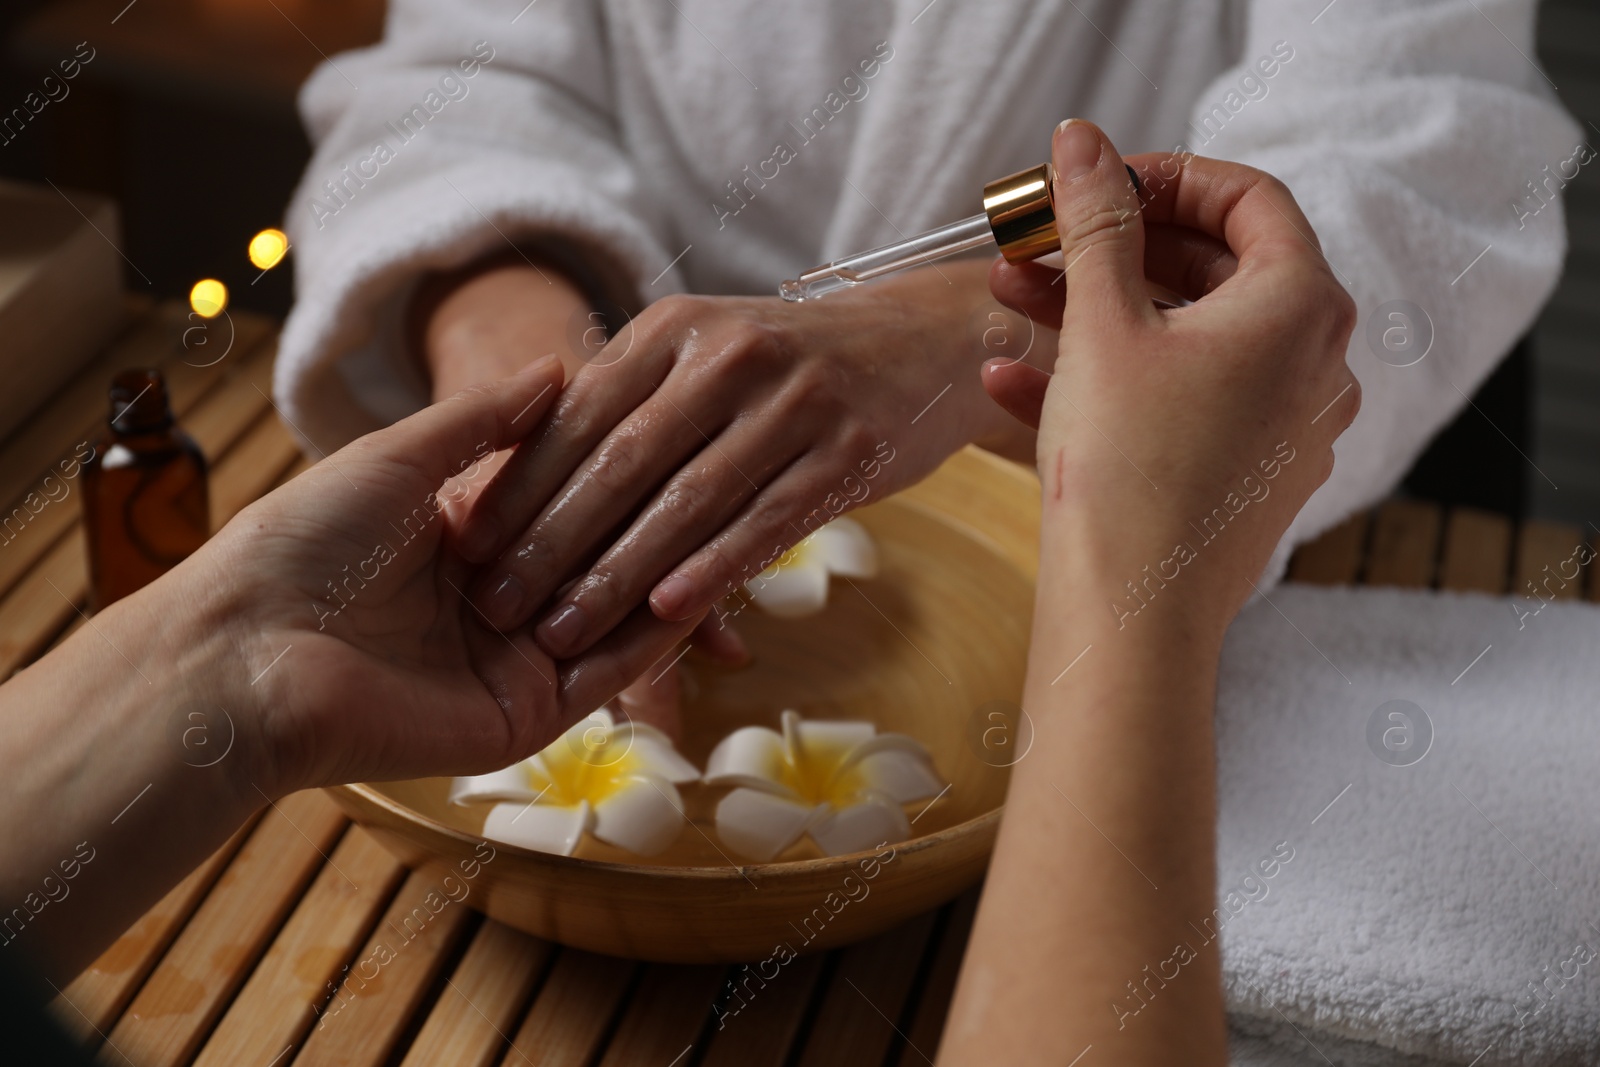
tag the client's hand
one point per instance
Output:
(713, 433)
(388, 671)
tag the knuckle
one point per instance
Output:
(1270, 186)
(752, 334)
(521, 739)
(855, 440)
(686, 497)
(768, 535)
(720, 570)
(617, 465)
(796, 525)
(745, 346)
(1288, 254)
(574, 417)
(1104, 222)
(809, 388)
(599, 590)
(676, 310)
(479, 391)
(1352, 401)
(536, 554)
(1343, 312)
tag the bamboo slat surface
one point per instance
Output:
(301, 942)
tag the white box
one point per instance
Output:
(60, 291)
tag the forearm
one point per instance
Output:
(128, 759)
(1093, 923)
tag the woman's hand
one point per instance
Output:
(387, 670)
(713, 433)
(323, 636)
(487, 321)
(1174, 449)
(1161, 429)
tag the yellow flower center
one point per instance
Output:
(591, 766)
(792, 556)
(811, 775)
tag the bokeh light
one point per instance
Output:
(267, 248)
(208, 298)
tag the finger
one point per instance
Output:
(1248, 210)
(716, 640)
(1018, 388)
(1102, 231)
(460, 494)
(689, 510)
(443, 440)
(523, 683)
(1188, 262)
(625, 468)
(773, 522)
(656, 701)
(598, 398)
(1031, 289)
(642, 646)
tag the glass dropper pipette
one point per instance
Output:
(1018, 218)
(949, 240)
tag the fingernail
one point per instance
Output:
(1077, 149)
(501, 605)
(1133, 176)
(671, 596)
(561, 632)
(543, 362)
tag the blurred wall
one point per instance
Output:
(1566, 395)
(185, 114)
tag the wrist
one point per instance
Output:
(197, 622)
(489, 320)
(1113, 587)
(945, 317)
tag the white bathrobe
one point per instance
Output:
(719, 146)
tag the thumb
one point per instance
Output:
(443, 439)
(1102, 232)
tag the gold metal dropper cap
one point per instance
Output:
(1022, 214)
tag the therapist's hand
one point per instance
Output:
(321, 637)
(1174, 449)
(1155, 422)
(715, 432)
(387, 670)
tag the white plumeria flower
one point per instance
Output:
(843, 783)
(614, 781)
(797, 584)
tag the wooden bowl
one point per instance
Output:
(934, 647)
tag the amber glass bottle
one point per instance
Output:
(144, 491)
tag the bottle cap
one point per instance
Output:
(1022, 214)
(139, 402)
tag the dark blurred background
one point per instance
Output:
(186, 117)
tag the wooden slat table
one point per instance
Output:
(234, 965)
